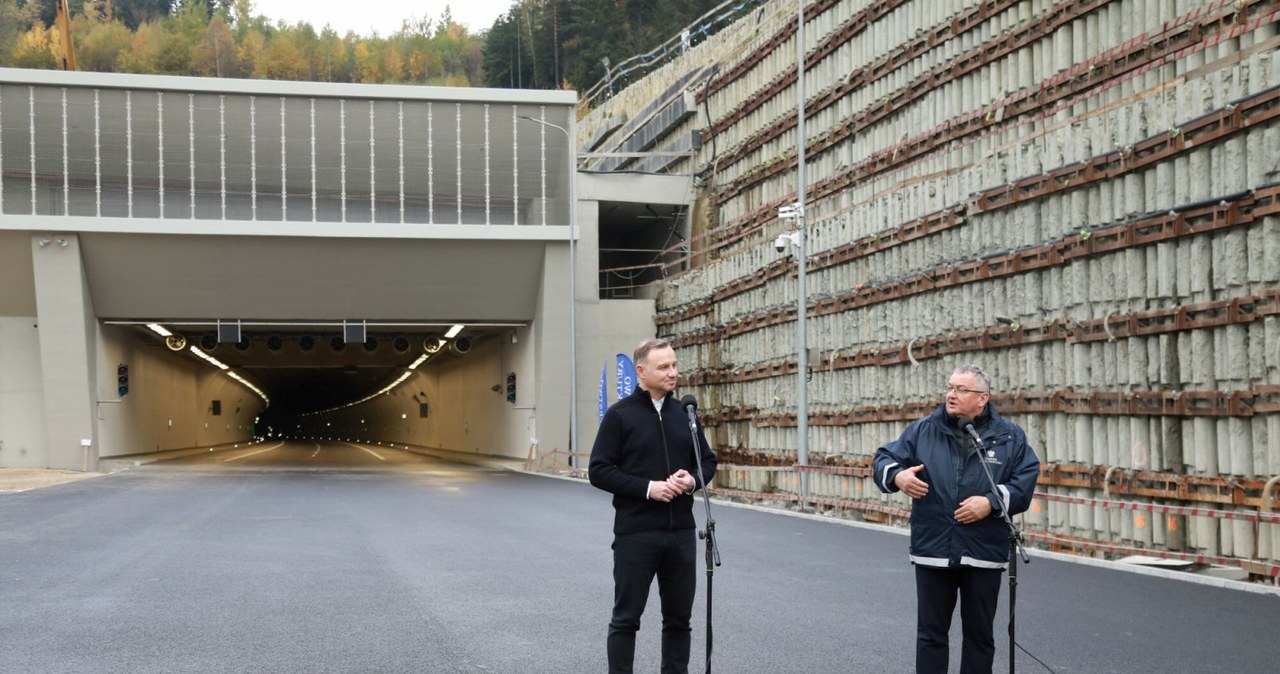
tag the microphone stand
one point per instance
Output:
(1016, 548)
(708, 534)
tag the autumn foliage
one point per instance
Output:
(222, 38)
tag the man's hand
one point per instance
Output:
(682, 481)
(662, 491)
(973, 509)
(909, 482)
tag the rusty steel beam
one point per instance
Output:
(1217, 490)
(1058, 88)
(1050, 540)
(960, 65)
(760, 53)
(1243, 114)
(851, 28)
(1077, 545)
(1174, 403)
(1222, 213)
(1233, 311)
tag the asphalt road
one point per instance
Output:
(335, 558)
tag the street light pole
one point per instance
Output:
(573, 286)
(802, 299)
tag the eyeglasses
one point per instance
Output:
(961, 390)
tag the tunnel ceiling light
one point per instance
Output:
(212, 361)
(421, 359)
(453, 332)
(159, 329)
(251, 387)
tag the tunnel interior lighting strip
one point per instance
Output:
(212, 361)
(453, 332)
(159, 329)
(251, 387)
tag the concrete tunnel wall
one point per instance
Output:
(170, 401)
(464, 413)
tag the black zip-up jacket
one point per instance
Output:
(634, 446)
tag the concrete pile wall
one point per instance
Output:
(1081, 197)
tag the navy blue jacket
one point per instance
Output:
(635, 445)
(953, 472)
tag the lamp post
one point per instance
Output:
(802, 299)
(573, 288)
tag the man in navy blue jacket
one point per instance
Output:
(959, 540)
(644, 455)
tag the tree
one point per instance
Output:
(599, 28)
(215, 54)
(282, 60)
(99, 44)
(333, 60)
(500, 54)
(35, 49)
(135, 13)
(15, 20)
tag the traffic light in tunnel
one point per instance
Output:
(511, 387)
(122, 379)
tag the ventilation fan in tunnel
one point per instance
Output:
(370, 344)
(400, 344)
(243, 344)
(460, 345)
(306, 342)
(275, 343)
(337, 344)
(209, 342)
(432, 344)
(175, 342)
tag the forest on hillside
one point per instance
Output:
(225, 38)
(536, 44)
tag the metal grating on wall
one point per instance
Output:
(227, 155)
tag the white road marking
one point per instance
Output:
(237, 458)
(375, 454)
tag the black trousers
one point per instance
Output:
(936, 592)
(637, 559)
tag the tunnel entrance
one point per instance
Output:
(640, 243)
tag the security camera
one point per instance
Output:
(780, 243)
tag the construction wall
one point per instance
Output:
(1082, 197)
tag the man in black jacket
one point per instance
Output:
(644, 456)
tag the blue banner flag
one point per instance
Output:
(603, 404)
(626, 376)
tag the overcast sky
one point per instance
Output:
(384, 16)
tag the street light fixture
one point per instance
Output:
(573, 286)
(795, 213)
(802, 299)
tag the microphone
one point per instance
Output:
(690, 404)
(966, 423)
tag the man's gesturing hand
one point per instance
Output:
(662, 491)
(909, 482)
(973, 509)
(682, 481)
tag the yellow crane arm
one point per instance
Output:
(64, 36)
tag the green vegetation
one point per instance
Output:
(537, 44)
(223, 38)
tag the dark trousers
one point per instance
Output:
(936, 592)
(637, 558)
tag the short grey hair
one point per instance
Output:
(977, 372)
(642, 351)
